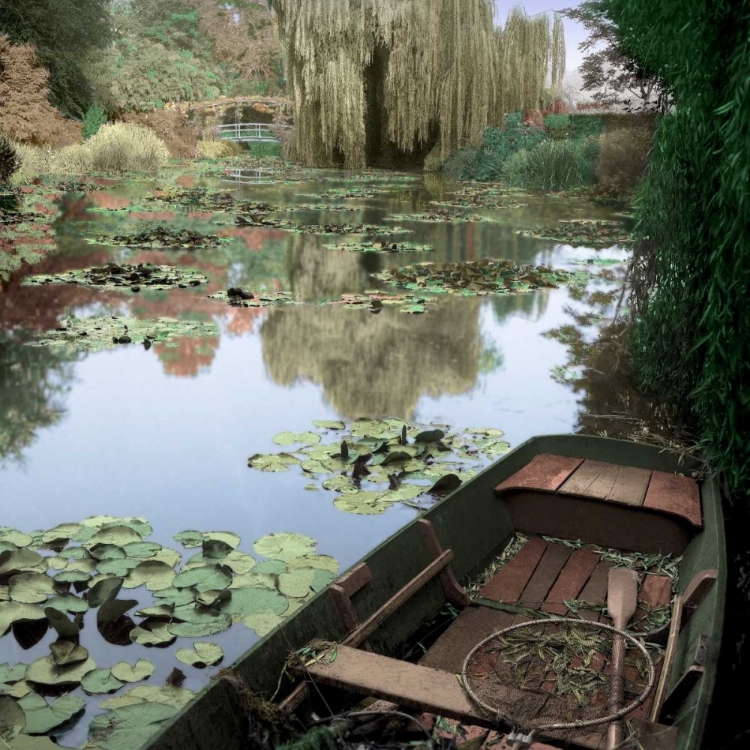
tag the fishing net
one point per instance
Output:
(554, 677)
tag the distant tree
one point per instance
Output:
(608, 69)
(62, 32)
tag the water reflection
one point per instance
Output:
(33, 386)
(371, 365)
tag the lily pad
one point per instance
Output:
(129, 726)
(100, 682)
(273, 462)
(296, 583)
(31, 588)
(326, 424)
(44, 671)
(103, 591)
(63, 531)
(263, 622)
(381, 246)
(248, 601)
(227, 537)
(285, 546)
(156, 575)
(290, 438)
(157, 634)
(205, 627)
(12, 720)
(189, 538)
(66, 653)
(169, 695)
(95, 334)
(141, 670)
(12, 612)
(118, 536)
(205, 578)
(42, 717)
(201, 655)
(20, 561)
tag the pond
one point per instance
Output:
(163, 429)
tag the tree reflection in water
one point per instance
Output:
(33, 385)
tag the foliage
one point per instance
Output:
(485, 164)
(609, 68)
(94, 118)
(25, 114)
(10, 162)
(220, 149)
(549, 166)
(692, 270)
(121, 147)
(351, 66)
(64, 33)
(171, 126)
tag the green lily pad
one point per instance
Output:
(205, 578)
(12, 720)
(227, 537)
(61, 531)
(364, 503)
(212, 598)
(113, 609)
(42, 718)
(31, 588)
(156, 575)
(248, 601)
(274, 567)
(290, 438)
(285, 546)
(44, 671)
(100, 682)
(141, 670)
(207, 626)
(10, 675)
(15, 537)
(189, 538)
(142, 550)
(65, 653)
(273, 462)
(239, 562)
(60, 622)
(176, 596)
(103, 591)
(296, 583)
(118, 536)
(108, 552)
(325, 424)
(157, 634)
(201, 655)
(169, 695)
(129, 726)
(445, 484)
(340, 484)
(263, 622)
(13, 562)
(117, 568)
(318, 562)
(11, 612)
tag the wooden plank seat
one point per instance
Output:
(418, 687)
(615, 506)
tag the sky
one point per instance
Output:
(574, 32)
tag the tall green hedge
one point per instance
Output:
(692, 276)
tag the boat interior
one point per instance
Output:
(575, 520)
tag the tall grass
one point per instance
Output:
(117, 147)
(548, 166)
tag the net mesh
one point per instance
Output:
(554, 676)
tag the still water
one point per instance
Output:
(166, 433)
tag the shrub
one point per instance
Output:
(171, 126)
(220, 149)
(9, 160)
(550, 165)
(623, 159)
(123, 147)
(94, 118)
(25, 114)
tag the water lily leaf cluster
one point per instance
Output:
(105, 332)
(129, 276)
(292, 226)
(485, 196)
(238, 297)
(162, 237)
(487, 276)
(440, 215)
(583, 232)
(346, 193)
(52, 578)
(376, 463)
(382, 246)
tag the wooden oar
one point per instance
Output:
(622, 599)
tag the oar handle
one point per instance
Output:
(616, 692)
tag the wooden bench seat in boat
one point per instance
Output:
(623, 507)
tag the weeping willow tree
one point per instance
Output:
(374, 75)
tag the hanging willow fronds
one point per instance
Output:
(422, 64)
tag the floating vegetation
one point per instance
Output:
(51, 578)
(376, 463)
(361, 229)
(439, 215)
(163, 238)
(375, 301)
(133, 277)
(487, 276)
(381, 247)
(585, 232)
(345, 193)
(492, 196)
(601, 262)
(106, 332)
(237, 297)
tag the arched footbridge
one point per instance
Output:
(251, 132)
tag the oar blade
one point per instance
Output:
(622, 595)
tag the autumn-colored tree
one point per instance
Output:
(26, 114)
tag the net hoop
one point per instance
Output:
(566, 725)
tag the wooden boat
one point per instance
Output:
(605, 492)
